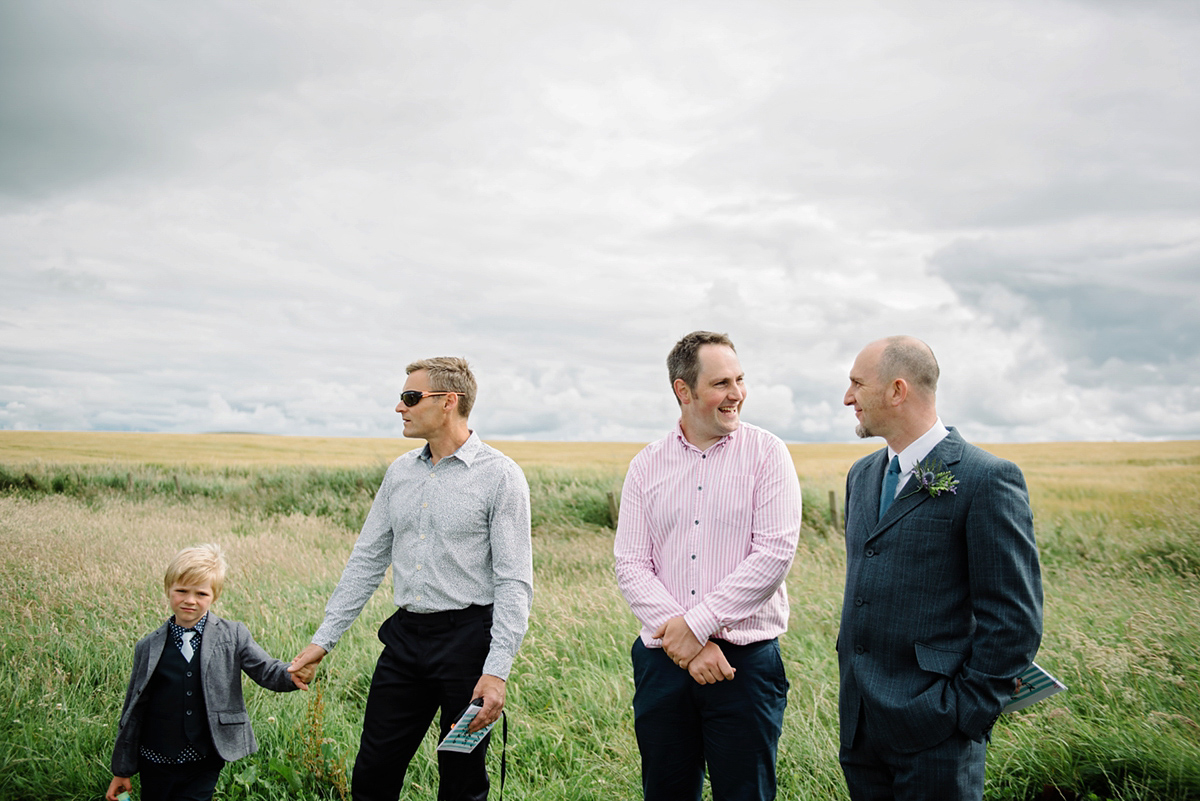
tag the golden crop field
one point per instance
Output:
(1078, 474)
(18, 447)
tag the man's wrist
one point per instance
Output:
(702, 623)
(498, 665)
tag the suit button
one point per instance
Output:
(858, 601)
(189, 711)
(189, 692)
(858, 649)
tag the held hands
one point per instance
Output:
(304, 665)
(678, 641)
(303, 676)
(492, 690)
(710, 666)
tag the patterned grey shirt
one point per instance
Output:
(456, 534)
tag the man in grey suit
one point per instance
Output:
(943, 602)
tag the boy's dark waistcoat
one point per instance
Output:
(175, 711)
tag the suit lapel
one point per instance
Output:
(215, 626)
(870, 482)
(948, 452)
(154, 651)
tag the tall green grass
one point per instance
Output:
(81, 581)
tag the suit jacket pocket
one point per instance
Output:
(935, 521)
(233, 717)
(942, 661)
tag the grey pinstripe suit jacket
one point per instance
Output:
(943, 602)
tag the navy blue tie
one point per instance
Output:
(889, 486)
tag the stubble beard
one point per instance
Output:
(863, 432)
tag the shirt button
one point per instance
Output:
(422, 536)
(189, 711)
(699, 489)
(189, 692)
(418, 597)
(693, 592)
(693, 556)
(424, 505)
(697, 522)
(189, 673)
(418, 567)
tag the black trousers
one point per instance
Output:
(191, 781)
(429, 662)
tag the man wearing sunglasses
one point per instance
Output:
(710, 516)
(452, 521)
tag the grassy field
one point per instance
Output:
(88, 522)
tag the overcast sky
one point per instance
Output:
(249, 216)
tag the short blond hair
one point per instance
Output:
(197, 565)
(449, 374)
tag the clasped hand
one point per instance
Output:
(705, 663)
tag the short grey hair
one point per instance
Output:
(911, 359)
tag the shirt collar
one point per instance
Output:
(687, 443)
(198, 628)
(920, 447)
(466, 452)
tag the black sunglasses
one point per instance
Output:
(411, 397)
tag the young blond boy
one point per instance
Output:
(184, 716)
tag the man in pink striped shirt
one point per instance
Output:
(710, 516)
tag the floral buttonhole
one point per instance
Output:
(932, 476)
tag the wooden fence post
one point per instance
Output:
(614, 508)
(833, 515)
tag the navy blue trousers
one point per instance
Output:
(428, 662)
(952, 770)
(731, 728)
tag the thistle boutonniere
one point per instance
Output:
(932, 476)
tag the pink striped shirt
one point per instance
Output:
(710, 535)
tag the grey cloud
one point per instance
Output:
(227, 215)
(93, 90)
(1127, 302)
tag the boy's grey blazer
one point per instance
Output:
(226, 651)
(943, 602)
